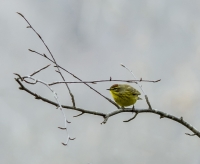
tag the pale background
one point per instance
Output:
(155, 39)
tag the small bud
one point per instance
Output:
(68, 122)
(31, 50)
(64, 144)
(62, 128)
(20, 14)
(20, 88)
(122, 65)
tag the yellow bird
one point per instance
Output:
(124, 94)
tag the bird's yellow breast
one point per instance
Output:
(124, 99)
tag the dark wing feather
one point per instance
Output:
(134, 91)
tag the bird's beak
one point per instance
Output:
(107, 89)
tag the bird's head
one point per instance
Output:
(116, 88)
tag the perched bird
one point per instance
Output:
(124, 95)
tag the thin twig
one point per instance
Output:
(32, 83)
(30, 26)
(79, 114)
(146, 97)
(99, 81)
(19, 76)
(132, 117)
(39, 97)
(39, 70)
(76, 78)
(147, 100)
(134, 77)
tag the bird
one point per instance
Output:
(124, 95)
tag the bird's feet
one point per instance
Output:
(133, 108)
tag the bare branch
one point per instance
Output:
(39, 70)
(39, 97)
(106, 116)
(79, 114)
(30, 26)
(99, 81)
(32, 83)
(147, 100)
(22, 87)
(19, 76)
(132, 117)
(78, 79)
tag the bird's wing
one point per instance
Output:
(134, 91)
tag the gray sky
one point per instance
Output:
(155, 39)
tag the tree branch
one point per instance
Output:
(40, 70)
(132, 117)
(99, 81)
(30, 26)
(108, 115)
(147, 100)
(38, 97)
(43, 55)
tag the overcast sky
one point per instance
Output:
(90, 38)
